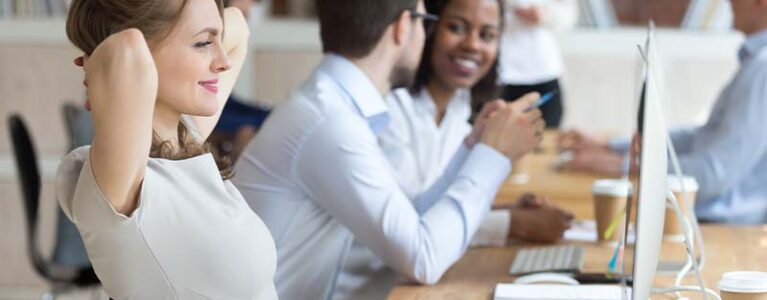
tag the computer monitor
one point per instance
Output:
(648, 176)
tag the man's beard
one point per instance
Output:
(402, 76)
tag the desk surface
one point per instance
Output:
(475, 275)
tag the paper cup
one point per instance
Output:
(672, 230)
(610, 198)
(743, 285)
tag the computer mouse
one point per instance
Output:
(547, 278)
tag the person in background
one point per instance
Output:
(318, 177)
(728, 154)
(429, 120)
(530, 59)
(429, 123)
(158, 215)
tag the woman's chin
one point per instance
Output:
(461, 83)
(204, 111)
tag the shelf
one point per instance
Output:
(274, 34)
(268, 34)
(33, 31)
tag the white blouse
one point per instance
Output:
(191, 237)
(530, 54)
(420, 150)
(415, 145)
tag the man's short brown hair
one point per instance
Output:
(353, 27)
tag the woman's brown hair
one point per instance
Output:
(91, 21)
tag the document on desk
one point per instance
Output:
(508, 291)
(586, 231)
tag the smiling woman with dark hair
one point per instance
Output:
(429, 121)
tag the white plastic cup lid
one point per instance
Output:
(675, 185)
(744, 282)
(611, 187)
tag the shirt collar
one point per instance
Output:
(355, 83)
(754, 43)
(427, 102)
(361, 91)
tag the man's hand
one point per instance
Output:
(577, 139)
(529, 200)
(515, 129)
(595, 160)
(543, 225)
(481, 120)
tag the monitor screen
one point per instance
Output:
(648, 163)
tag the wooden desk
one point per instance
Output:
(474, 276)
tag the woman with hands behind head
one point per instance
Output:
(156, 210)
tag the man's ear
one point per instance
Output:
(402, 27)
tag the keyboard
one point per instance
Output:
(563, 259)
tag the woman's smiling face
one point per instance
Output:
(190, 59)
(465, 42)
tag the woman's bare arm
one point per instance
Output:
(121, 80)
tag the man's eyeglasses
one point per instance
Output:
(429, 20)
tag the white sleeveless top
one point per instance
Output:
(191, 237)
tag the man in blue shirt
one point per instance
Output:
(728, 154)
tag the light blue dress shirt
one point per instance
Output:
(728, 155)
(318, 178)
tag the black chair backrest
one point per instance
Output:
(29, 179)
(26, 164)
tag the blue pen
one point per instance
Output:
(541, 101)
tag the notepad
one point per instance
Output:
(586, 231)
(507, 291)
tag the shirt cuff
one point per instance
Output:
(485, 170)
(494, 230)
(486, 163)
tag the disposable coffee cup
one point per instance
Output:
(672, 230)
(519, 173)
(743, 285)
(610, 198)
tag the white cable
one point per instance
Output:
(686, 288)
(688, 242)
(690, 207)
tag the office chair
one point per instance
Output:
(79, 125)
(61, 278)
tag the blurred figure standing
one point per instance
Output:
(530, 60)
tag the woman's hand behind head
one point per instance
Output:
(121, 67)
(236, 29)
